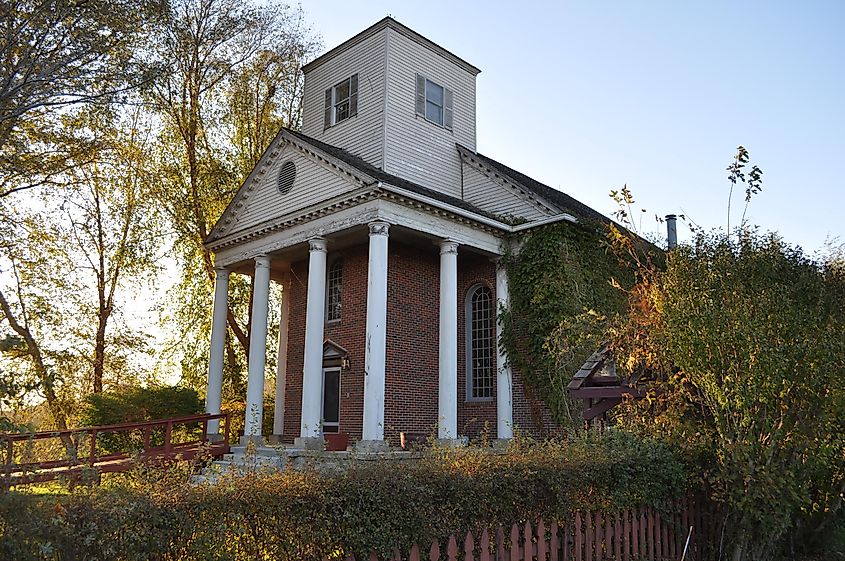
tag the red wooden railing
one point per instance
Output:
(17, 470)
(634, 534)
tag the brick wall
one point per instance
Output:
(348, 333)
(412, 340)
(412, 346)
(474, 417)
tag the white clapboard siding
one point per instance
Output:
(314, 183)
(416, 149)
(491, 195)
(362, 134)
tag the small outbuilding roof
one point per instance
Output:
(598, 385)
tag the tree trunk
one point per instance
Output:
(100, 348)
(44, 378)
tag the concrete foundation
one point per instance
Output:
(309, 443)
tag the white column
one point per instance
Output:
(448, 389)
(282, 361)
(257, 349)
(376, 334)
(214, 391)
(504, 385)
(312, 376)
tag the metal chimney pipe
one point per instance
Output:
(671, 231)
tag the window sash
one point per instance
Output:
(481, 344)
(434, 94)
(334, 291)
(341, 101)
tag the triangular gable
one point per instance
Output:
(487, 190)
(498, 192)
(332, 350)
(318, 177)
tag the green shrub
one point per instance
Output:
(137, 404)
(368, 506)
(131, 405)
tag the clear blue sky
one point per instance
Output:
(586, 96)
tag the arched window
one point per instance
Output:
(480, 343)
(334, 289)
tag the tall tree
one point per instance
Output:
(56, 54)
(234, 80)
(69, 254)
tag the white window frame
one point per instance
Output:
(441, 105)
(446, 105)
(332, 263)
(352, 108)
(468, 338)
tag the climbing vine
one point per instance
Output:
(565, 282)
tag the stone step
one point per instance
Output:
(265, 451)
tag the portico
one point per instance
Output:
(388, 225)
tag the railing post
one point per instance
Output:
(9, 458)
(227, 430)
(168, 431)
(93, 454)
(146, 437)
(205, 430)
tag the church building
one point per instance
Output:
(385, 226)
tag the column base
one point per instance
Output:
(258, 440)
(459, 442)
(372, 446)
(274, 439)
(500, 443)
(309, 443)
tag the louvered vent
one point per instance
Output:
(287, 175)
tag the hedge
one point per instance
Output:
(368, 506)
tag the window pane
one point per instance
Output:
(434, 93)
(433, 112)
(334, 291)
(341, 111)
(341, 91)
(483, 340)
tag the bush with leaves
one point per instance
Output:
(742, 338)
(367, 506)
(136, 404)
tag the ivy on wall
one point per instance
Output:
(564, 281)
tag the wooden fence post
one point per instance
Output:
(469, 547)
(168, 433)
(514, 543)
(485, 545)
(93, 455)
(541, 540)
(579, 541)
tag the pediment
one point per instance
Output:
(491, 192)
(290, 176)
(332, 350)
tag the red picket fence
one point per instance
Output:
(632, 535)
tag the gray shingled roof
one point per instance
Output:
(564, 202)
(558, 198)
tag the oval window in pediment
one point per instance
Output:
(287, 175)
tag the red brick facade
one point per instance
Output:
(412, 346)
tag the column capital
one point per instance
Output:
(317, 244)
(262, 261)
(379, 228)
(220, 271)
(448, 247)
